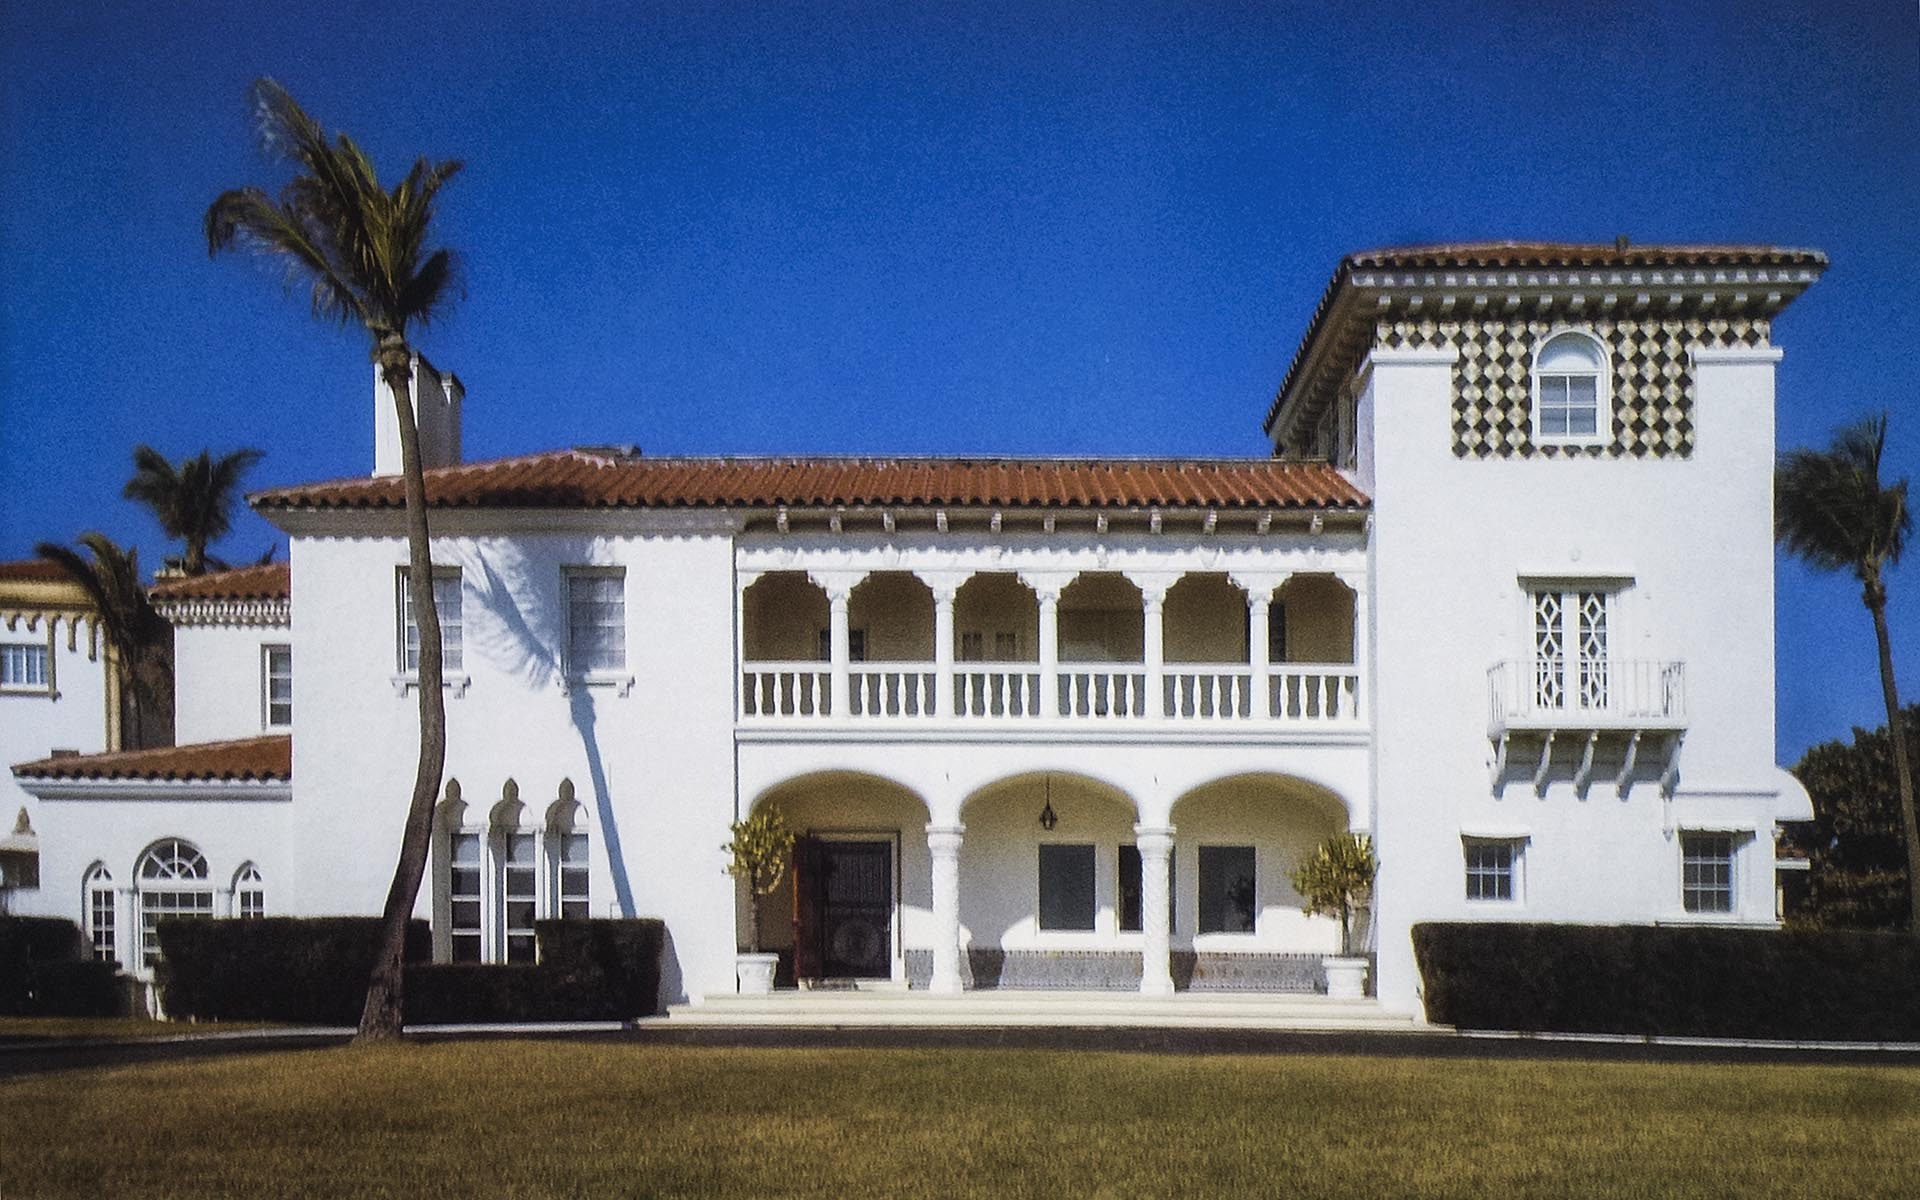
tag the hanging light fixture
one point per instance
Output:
(1049, 818)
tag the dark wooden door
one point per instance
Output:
(856, 910)
(806, 908)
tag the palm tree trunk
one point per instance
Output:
(1876, 600)
(381, 1018)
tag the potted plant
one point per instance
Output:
(1335, 879)
(758, 855)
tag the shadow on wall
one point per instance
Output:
(521, 636)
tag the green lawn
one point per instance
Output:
(539, 1119)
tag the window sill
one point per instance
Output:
(620, 681)
(454, 681)
(1582, 442)
(24, 689)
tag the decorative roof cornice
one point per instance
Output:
(222, 611)
(1525, 281)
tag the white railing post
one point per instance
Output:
(1259, 604)
(840, 654)
(1362, 644)
(1049, 653)
(1154, 606)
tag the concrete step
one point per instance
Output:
(1038, 1008)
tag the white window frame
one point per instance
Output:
(1587, 684)
(1515, 873)
(197, 883)
(267, 678)
(558, 884)
(453, 673)
(615, 675)
(100, 903)
(1602, 376)
(26, 652)
(1735, 840)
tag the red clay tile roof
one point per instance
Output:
(1471, 255)
(272, 581)
(598, 479)
(260, 758)
(34, 568)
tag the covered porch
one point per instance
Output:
(1049, 880)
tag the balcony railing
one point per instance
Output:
(1317, 694)
(1572, 693)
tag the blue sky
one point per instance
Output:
(1026, 229)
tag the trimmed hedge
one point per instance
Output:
(45, 971)
(307, 970)
(1687, 981)
(314, 971)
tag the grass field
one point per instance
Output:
(539, 1119)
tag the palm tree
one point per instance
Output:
(192, 502)
(363, 250)
(139, 640)
(1831, 510)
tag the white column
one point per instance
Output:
(943, 685)
(1156, 965)
(1259, 604)
(840, 653)
(1154, 603)
(1049, 651)
(943, 843)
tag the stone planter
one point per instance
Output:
(1346, 977)
(755, 973)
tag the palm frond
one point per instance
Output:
(1831, 508)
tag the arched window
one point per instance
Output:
(97, 891)
(249, 892)
(515, 889)
(567, 856)
(172, 881)
(1569, 386)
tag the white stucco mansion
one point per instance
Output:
(1503, 598)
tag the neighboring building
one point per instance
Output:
(59, 694)
(1502, 599)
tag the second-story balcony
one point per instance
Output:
(1081, 648)
(1569, 693)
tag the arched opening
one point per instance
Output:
(515, 893)
(1206, 621)
(1311, 620)
(783, 618)
(890, 642)
(249, 892)
(1239, 840)
(1041, 873)
(1102, 623)
(99, 903)
(856, 900)
(996, 630)
(568, 878)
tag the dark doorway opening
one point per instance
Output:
(843, 909)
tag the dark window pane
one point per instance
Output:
(1226, 889)
(1130, 890)
(1066, 887)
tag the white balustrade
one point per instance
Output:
(1314, 692)
(785, 689)
(996, 692)
(1102, 693)
(1208, 691)
(1571, 692)
(892, 690)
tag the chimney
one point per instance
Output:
(437, 400)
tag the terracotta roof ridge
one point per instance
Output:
(233, 582)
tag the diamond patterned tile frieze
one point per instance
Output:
(1652, 413)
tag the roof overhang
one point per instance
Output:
(1370, 288)
(150, 790)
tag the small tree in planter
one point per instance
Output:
(758, 855)
(1335, 879)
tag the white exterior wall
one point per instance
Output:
(652, 767)
(33, 723)
(1453, 540)
(219, 681)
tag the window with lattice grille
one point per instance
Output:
(1571, 659)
